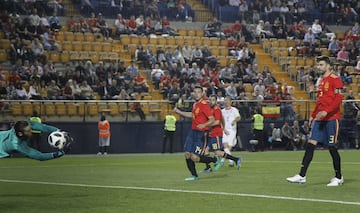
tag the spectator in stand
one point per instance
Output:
(156, 75)
(166, 28)
(54, 22)
(93, 23)
(140, 27)
(310, 41)
(148, 26)
(38, 50)
(104, 91)
(178, 56)
(137, 106)
(103, 26)
(49, 40)
(288, 136)
(131, 25)
(21, 93)
(86, 92)
(121, 25)
(73, 25)
(213, 29)
(186, 52)
(236, 29)
(333, 47)
(67, 92)
(304, 133)
(83, 25)
(54, 91)
(140, 84)
(316, 28)
(43, 90)
(260, 32)
(343, 56)
(231, 91)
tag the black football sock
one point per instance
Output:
(336, 161)
(207, 159)
(227, 156)
(105, 149)
(191, 166)
(308, 156)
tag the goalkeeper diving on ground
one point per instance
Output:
(15, 140)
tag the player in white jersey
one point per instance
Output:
(231, 116)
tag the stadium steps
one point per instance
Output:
(263, 59)
(71, 9)
(202, 14)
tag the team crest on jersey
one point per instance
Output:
(326, 86)
(197, 110)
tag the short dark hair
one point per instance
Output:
(199, 87)
(20, 126)
(324, 58)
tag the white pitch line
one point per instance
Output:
(184, 191)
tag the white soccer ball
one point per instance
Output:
(57, 140)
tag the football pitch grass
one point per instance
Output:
(155, 183)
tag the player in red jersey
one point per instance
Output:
(216, 134)
(324, 122)
(202, 118)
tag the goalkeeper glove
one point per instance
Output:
(58, 154)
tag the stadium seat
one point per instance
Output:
(92, 109)
(67, 45)
(124, 107)
(199, 32)
(69, 36)
(55, 57)
(84, 56)
(60, 108)
(5, 44)
(49, 109)
(153, 41)
(144, 40)
(3, 55)
(180, 40)
(74, 56)
(99, 37)
(189, 40)
(65, 57)
(125, 39)
(197, 41)
(77, 46)
(182, 32)
(106, 47)
(89, 37)
(214, 41)
(27, 108)
(191, 33)
(60, 36)
(94, 57)
(79, 36)
(16, 108)
(134, 40)
(71, 109)
(171, 40)
(113, 108)
(96, 46)
(206, 41)
(248, 87)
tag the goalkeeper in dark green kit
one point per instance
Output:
(16, 139)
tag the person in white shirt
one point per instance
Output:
(316, 28)
(231, 116)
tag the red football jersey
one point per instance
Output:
(200, 113)
(216, 130)
(328, 100)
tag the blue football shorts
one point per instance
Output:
(214, 143)
(196, 141)
(325, 132)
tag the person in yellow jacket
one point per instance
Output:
(104, 135)
(36, 134)
(169, 130)
(258, 127)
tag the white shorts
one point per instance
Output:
(230, 139)
(104, 141)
